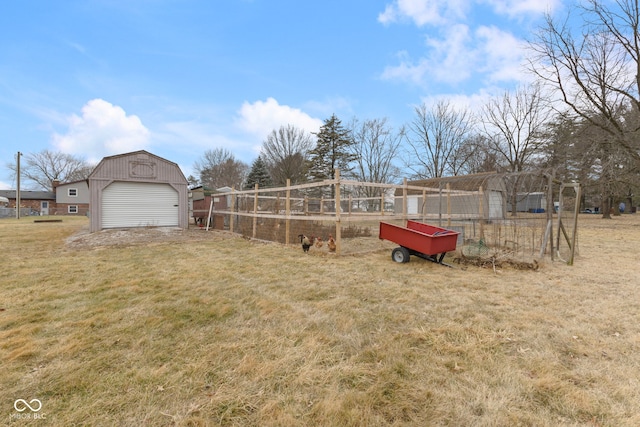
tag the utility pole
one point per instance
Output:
(18, 185)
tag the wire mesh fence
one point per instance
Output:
(520, 217)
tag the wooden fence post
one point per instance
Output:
(255, 212)
(559, 227)
(424, 205)
(287, 224)
(481, 211)
(405, 208)
(448, 205)
(550, 209)
(576, 209)
(233, 209)
(338, 225)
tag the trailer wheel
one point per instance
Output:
(400, 254)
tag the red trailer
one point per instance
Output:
(419, 239)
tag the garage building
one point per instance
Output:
(137, 189)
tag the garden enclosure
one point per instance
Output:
(521, 216)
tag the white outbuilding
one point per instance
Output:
(137, 189)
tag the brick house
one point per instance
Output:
(72, 198)
(32, 202)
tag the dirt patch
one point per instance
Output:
(144, 236)
(495, 262)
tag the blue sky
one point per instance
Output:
(95, 78)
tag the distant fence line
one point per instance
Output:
(11, 212)
(29, 211)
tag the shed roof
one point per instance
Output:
(106, 159)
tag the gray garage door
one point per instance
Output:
(139, 204)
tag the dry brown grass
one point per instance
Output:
(210, 329)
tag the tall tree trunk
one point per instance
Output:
(606, 181)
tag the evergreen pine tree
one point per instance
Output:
(332, 151)
(258, 175)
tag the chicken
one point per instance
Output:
(331, 244)
(306, 243)
(318, 243)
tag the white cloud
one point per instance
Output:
(407, 70)
(424, 12)
(457, 51)
(514, 8)
(457, 55)
(103, 129)
(449, 59)
(443, 12)
(473, 102)
(502, 54)
(261, 117)
(452, 58)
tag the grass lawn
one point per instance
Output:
(211, 329)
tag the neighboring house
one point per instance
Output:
(72, 198)
(459, 194)
(32, 202)
(137, 189)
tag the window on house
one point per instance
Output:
(73, 192)
(72, 209)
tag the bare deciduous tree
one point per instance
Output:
(596, 69)
(285, 153)
(478, 156)
(44, 167)
(435, 137)
(219, 168)
(375, 147)
(512, 127)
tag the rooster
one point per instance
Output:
(318, 243)
(306, 243)
(331, 244)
